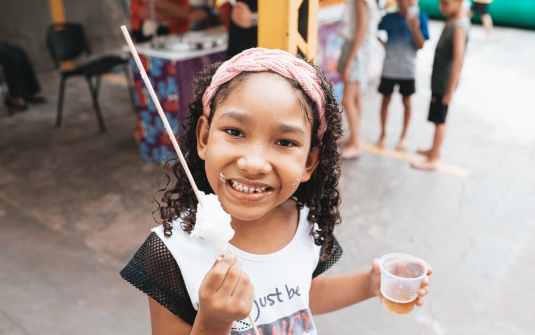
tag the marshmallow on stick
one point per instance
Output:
(213, 224)
(211, 217)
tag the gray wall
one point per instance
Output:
(24, 22)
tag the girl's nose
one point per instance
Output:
(254, 162)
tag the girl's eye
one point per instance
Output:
(234, 132)
(285, 143)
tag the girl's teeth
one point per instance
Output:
(246, 189)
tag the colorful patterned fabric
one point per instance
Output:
(329, 50)
(172, 83)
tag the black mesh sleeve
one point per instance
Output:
(154, 271)
(325, 265)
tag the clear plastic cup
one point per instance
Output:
(401, 277)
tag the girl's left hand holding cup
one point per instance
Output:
(375, 282)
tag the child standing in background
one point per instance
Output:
(481, 7)
(358, 27)
(449, 55)
(407, 31)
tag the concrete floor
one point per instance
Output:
(75, 205)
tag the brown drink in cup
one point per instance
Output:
(396, 307)
(401, 277)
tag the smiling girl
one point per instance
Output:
(262, 135)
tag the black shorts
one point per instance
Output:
(437, 111)
(480, 8)
(406, 86)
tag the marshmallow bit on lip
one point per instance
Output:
(213, 224)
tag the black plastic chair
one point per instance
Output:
(66, 42)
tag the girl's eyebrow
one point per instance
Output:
(288, 128)
(241, 117)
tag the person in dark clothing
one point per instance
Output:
(243, 30)
(20, 77)
(173, 16)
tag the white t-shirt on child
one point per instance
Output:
(348, 25)
(281, 280)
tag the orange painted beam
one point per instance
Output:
(57, 11)
(278, 26)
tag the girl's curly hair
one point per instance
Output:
(320, 193)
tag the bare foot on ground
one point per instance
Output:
(381, 143)
(351, 152)
(402, 145)
(424, 152)
(426, 166)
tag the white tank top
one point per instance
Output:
(348, 24)
(281, 280)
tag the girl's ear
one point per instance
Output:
(202, 131)
(311, 164)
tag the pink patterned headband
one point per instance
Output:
(278, 61)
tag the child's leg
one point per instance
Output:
(386, 88)
(402, 145)
(351, 103)
(487, 23)
(437, 115)
(425, 152)
(384, 115)
(434, 152)
(440, 130)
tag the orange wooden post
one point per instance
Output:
(57, 12)
(278, 26)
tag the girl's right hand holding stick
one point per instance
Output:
(225, 295)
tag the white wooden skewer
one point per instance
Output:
(254, 326)
(160, 111)
(167, 126)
